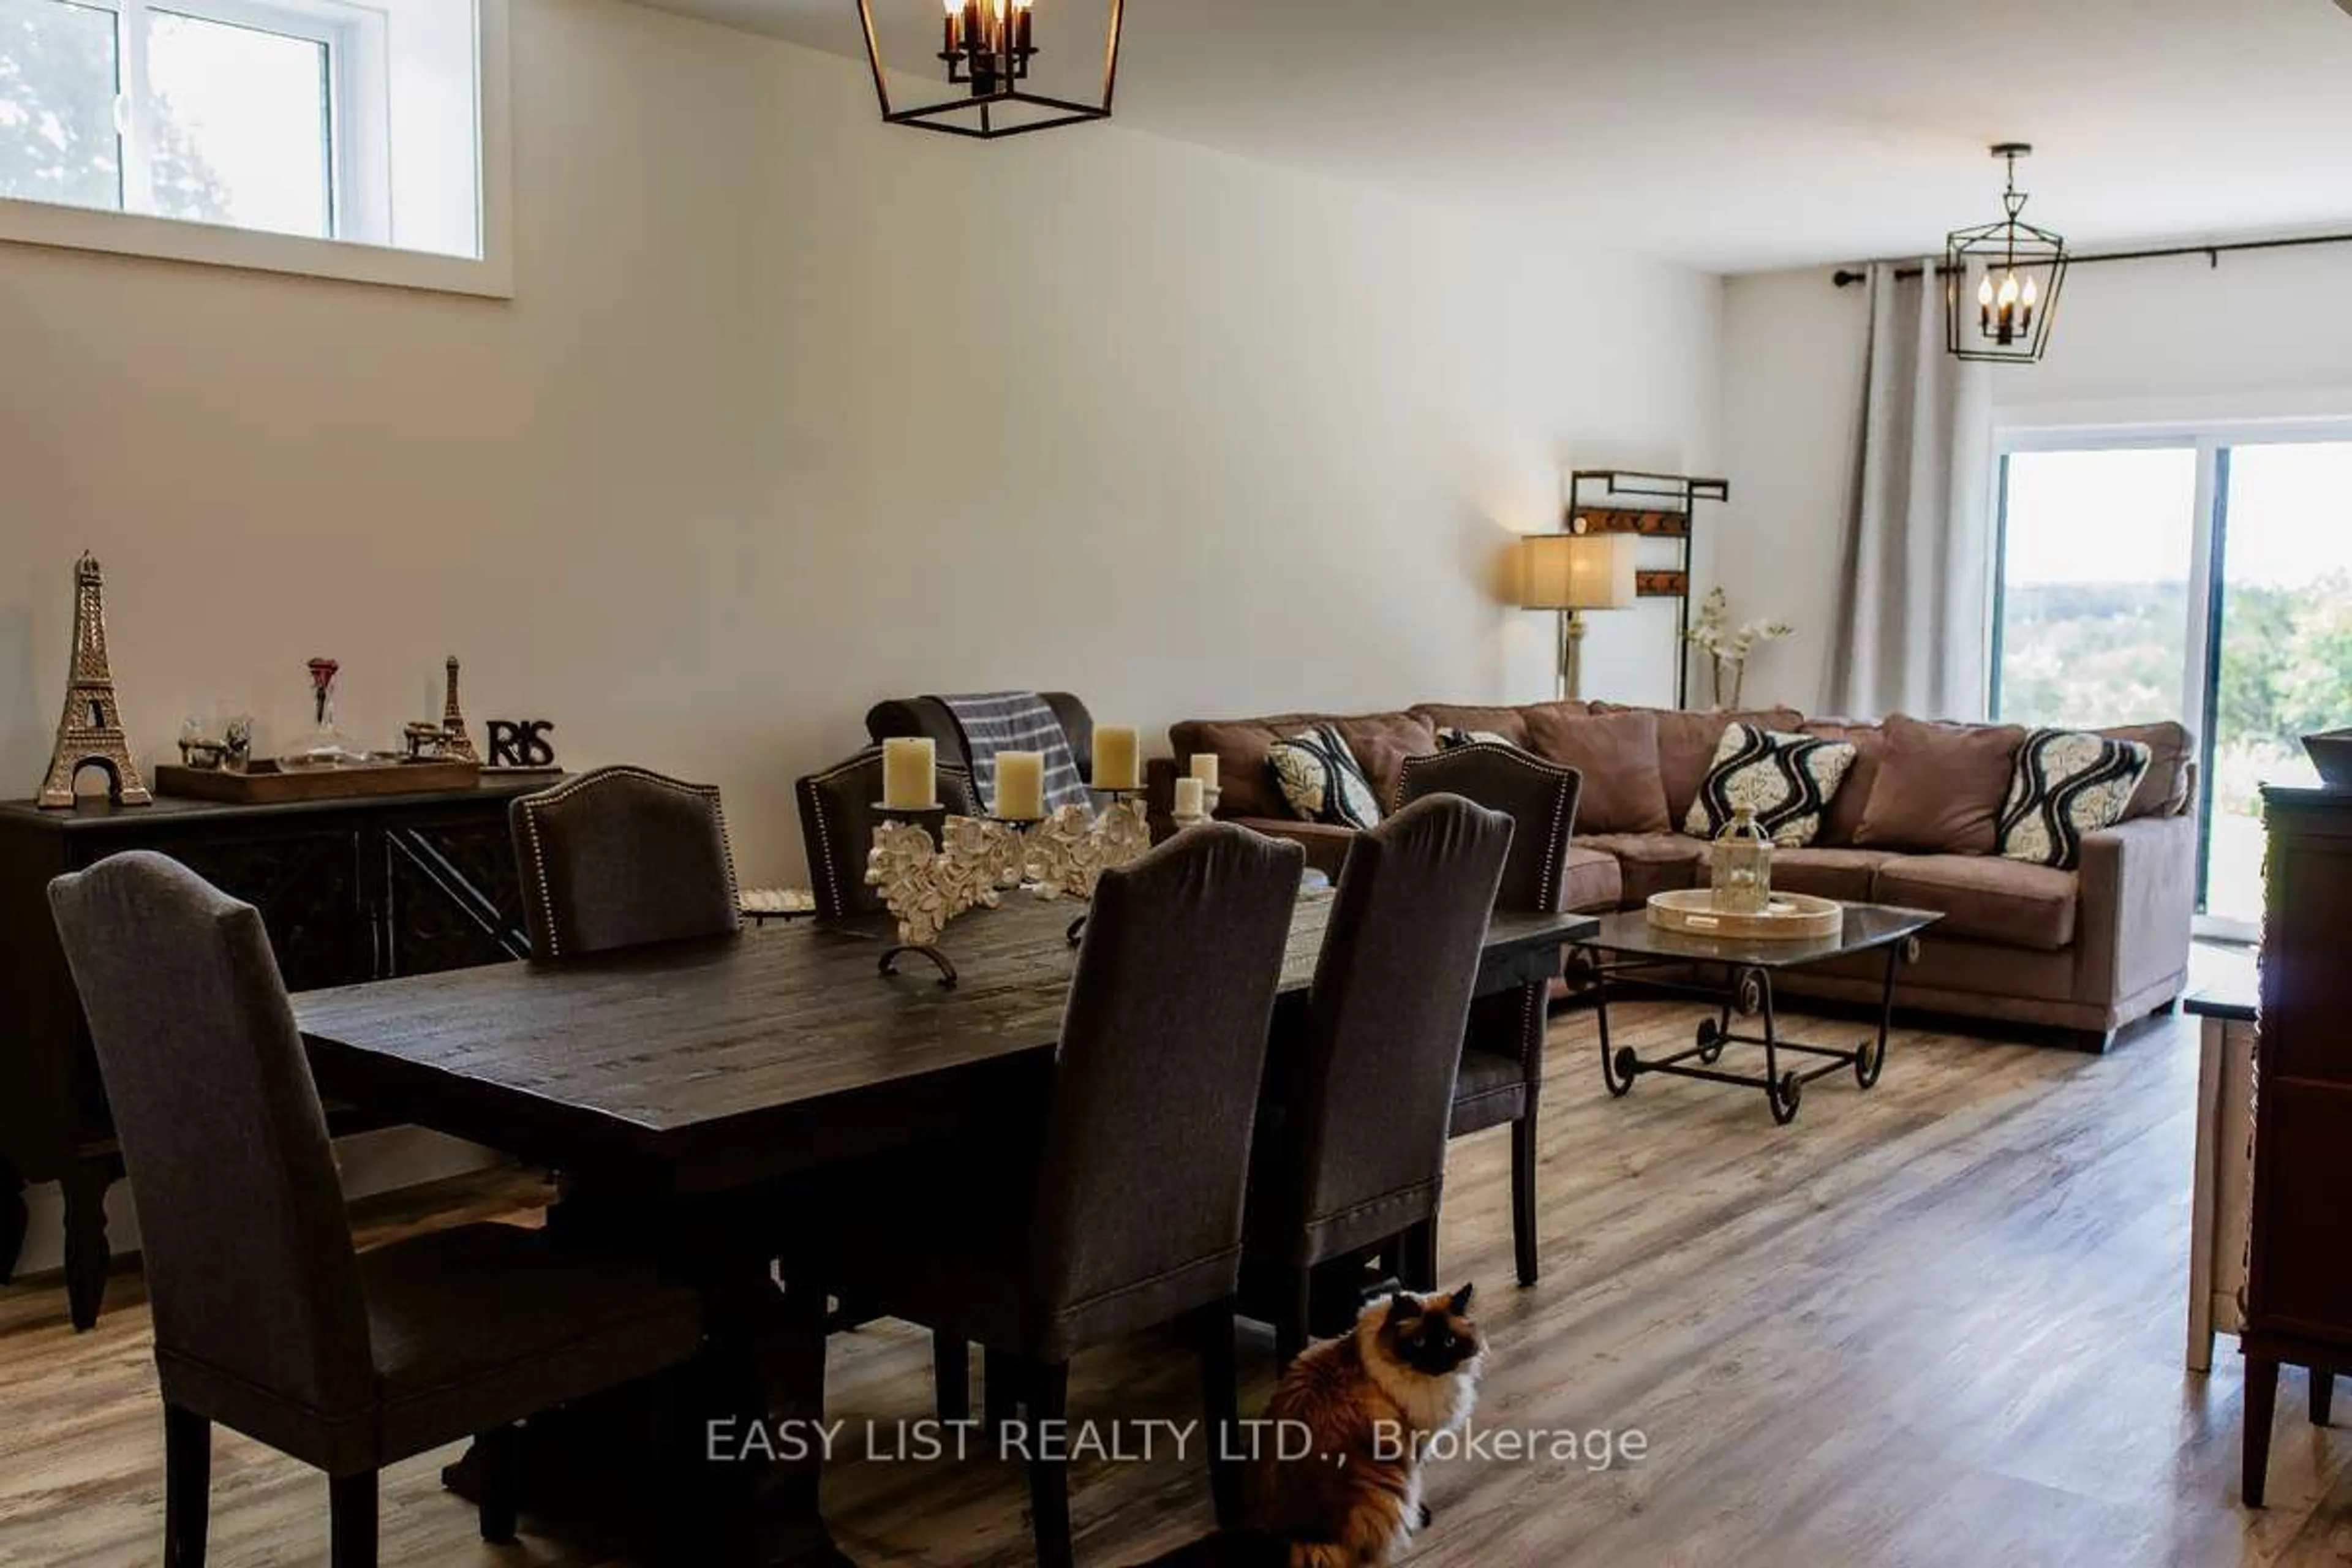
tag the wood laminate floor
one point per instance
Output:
(1940, 1323)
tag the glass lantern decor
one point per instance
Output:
(1742, 861)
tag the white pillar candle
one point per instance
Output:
(1116, 749)
(1192, 798)
(909, 774)
(1205, 768)
(1021, 785)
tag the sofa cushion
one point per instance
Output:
(1785, 778)
(1687, 740)
(1985, 896)
(1648, 862)
(1511, 723)
(1381, 742)
(1939, 787)
(1322, 781)
(2065, 784)
(1590, 883)
(2164, 789)
(1618, 755)
(1869, 742)
(1826, 873)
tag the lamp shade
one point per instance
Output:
(1575, 571)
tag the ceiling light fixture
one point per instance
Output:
(2001, 281)
(988, 47)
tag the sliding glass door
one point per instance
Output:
(2094, 623)
(2283, 653)
(2204, 576)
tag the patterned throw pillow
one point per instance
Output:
(1450, 738)
(1322, 780)
(1788, 778)
(2067, 782)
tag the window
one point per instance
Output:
(2202, 576)
(331, 123)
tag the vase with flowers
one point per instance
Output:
(1728, 647)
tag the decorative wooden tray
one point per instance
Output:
(1793, 917)
(265, 784)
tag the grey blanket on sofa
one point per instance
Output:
(995, 721)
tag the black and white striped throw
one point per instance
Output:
(994, 721)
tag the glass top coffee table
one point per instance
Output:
(1735, 974)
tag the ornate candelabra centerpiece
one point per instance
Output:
(927, 876)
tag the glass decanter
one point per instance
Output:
(324, 746)
(1741, 859)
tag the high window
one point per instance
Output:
(321, 121)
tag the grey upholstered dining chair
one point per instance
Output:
(1351, 1150)
(622, 858)
(1501, 1077)
(837, 818)
(266, 1319)
(1122, 1208)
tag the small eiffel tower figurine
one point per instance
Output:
(89, 733)
(456, 744)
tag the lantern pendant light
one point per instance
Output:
(2001, 281)
(988, 48)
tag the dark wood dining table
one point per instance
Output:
(666, 1083)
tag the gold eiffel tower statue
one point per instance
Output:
(90, 734)
(456, 744)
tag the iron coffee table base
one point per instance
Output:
(1745, 992)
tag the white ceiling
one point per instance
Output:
(1739, 135)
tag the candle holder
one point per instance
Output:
(927, 884)
(976, 860)
(1208, 812)
(1069, 854)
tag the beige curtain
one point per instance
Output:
(1916, 578)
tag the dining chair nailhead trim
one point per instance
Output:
(1559, 827)
(532, 805)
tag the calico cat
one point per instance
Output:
(1370, 1399)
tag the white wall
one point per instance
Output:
(2264, 336)
(794, 410)
(1792, 358)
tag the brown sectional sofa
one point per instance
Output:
(2085, 950)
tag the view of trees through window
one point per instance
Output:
(2097, 629)
(234, 129)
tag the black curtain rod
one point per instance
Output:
(1845, 276)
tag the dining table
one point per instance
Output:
(677, 1088)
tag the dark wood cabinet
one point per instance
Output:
(350, 890)
(2298, 1265)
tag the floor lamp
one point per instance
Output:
(1570, 574)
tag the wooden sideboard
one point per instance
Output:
(2298, 1271)
(350, 890)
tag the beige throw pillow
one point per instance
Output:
(1618, 755)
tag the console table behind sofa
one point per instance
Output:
(350, 890)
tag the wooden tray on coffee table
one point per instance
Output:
(1791, 917)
